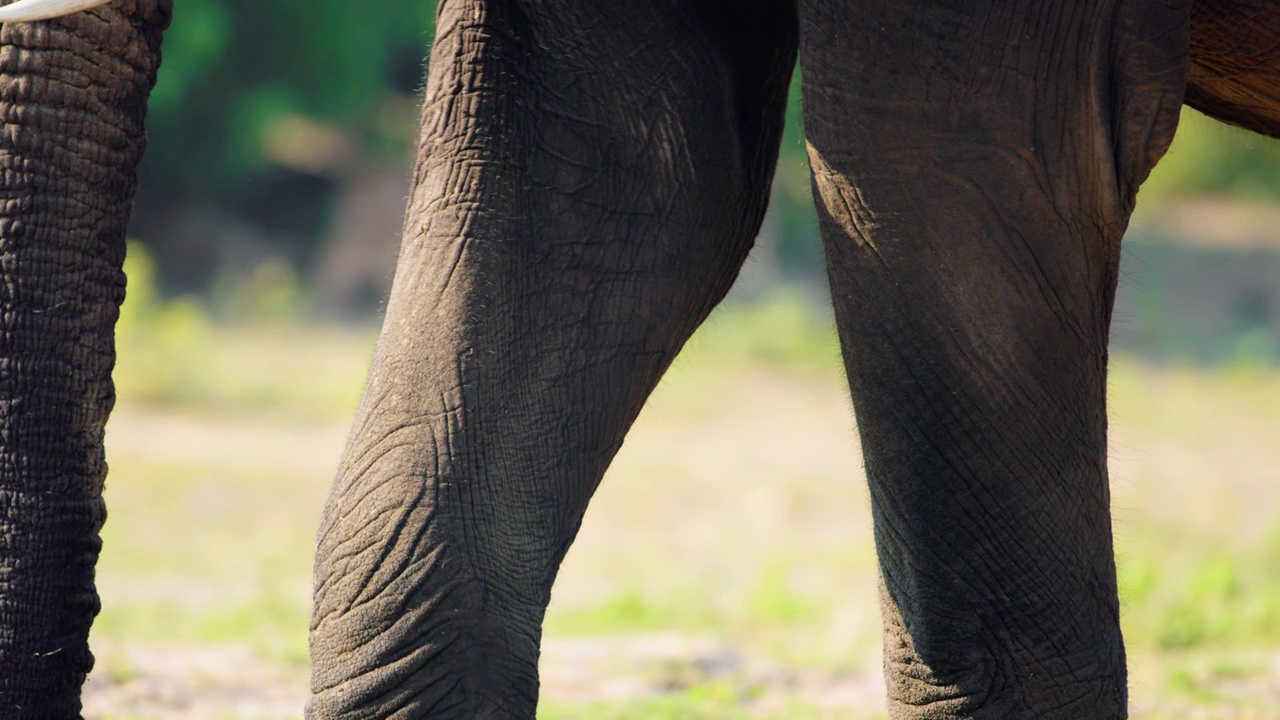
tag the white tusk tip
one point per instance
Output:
(32, 10)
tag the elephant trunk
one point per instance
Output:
(72, 102)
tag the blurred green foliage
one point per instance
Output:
(235, 69)
(1211, 158)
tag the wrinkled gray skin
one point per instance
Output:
(590, 178)
(589, 181)
(73, 94)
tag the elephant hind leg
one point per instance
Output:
(1234, 74)
(974, 166)
(590, 179)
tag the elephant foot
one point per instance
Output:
(1088, 685)
(461, 673)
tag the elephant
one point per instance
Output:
(589, 181)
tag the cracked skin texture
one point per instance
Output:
(72, 100)
(589, 181)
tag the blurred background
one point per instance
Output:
(726, 567)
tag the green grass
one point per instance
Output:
(196, 554)
(735, 519)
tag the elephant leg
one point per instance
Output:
(1234, 73)
(975, 165)
(73, 95)
(590, 178)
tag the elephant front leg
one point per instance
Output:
(590, 179)
(975, 165)
(73, 95)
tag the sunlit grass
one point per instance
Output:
(710, 701)
(735, 517)
(206, 554)
(185, 353)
